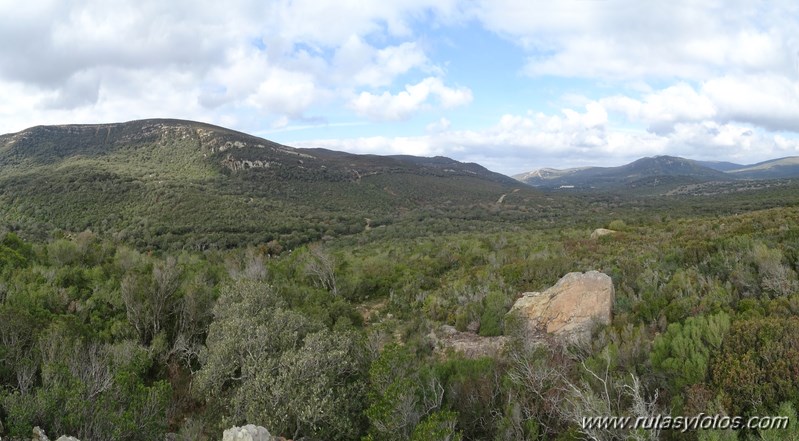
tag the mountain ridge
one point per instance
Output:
(174, 183)
(211, 139)
(673, 169)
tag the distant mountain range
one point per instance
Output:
(659, 170)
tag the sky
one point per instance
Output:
(514, 85)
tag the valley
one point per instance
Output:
(172, 277)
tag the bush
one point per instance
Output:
(618, 225)
(492, 319)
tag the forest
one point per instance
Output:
(105, 337)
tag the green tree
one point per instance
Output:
(492, 319)
(757, 366)
(791, 433)
(269, 364)
(439, 426)
(683, 352)
(90, 390)
(400, 395)
(250, 331)
(318, 390)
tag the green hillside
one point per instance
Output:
(166, 279)
(658, 171)
(660, 174)
(170, 183)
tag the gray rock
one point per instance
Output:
(39, 435)
(67, 438)
(569, 309)
(250, 432)
(599, 232)
(467, 344)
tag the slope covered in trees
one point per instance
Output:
(180, 184)
(102, 341)
(123, 328)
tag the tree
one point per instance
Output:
(683, 352)
(601, 393)
(791, 433)
(439, 426)
(320, 266)
(757, 365)
(250, 331)
(491, 321)
(151, 300)
(556, 390)
(266, 363)
(90, 390)
(776, 278)
(400, 395)
(318, 390)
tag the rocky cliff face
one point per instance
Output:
(570, 309)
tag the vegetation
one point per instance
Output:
(316, 323)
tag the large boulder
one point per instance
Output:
(250, 432)
(570, 309)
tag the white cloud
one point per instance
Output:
(415, 97)
(627, 40)
(662, 109)
(519, 143)
(698, 78)
(382, 66)
(441, 125)
(763, 100)
(284, 92)
(331, 23)
(770, 101)
(276, 59)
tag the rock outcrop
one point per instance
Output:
(467, 344)
(40, 435)
(599, 232)
(570, 309)
(250, 432)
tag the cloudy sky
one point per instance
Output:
(512, 84)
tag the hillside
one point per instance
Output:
(773, 169)
(145, 312)
(644, 172)
(665, 173)
(182, 183)
(720, 165)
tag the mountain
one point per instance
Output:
(776, 168)
(174, 183)
(660, 171)
(720, 165)
(544, 174)
(644, 172)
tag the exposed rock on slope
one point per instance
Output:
(570, 308)
(468, 344)
(40, 435)
(599, 232)
(250, 432)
